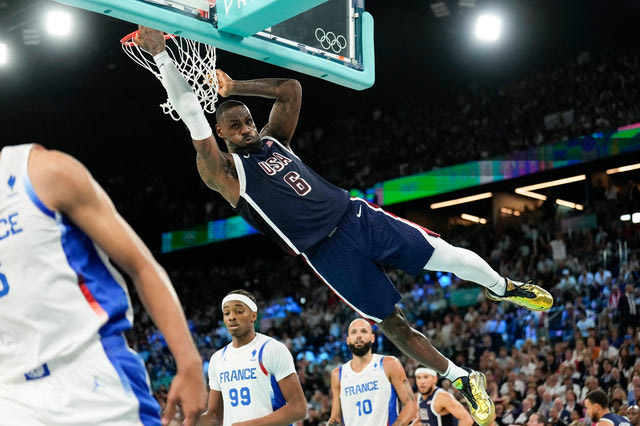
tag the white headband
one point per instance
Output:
(423, 370)
(240, 298)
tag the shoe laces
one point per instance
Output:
(466, 391)
(520, 291)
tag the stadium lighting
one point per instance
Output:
(4, 54)
(635, 218)
(625, 217)
(531, 194)
(461, 200)
(527, 190)
(507, 210)
(569, 204)
(472, 218)
(623, 169)
(58, 23)
(488, 27)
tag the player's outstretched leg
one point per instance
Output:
(470, 383)
(470, 266)
(473, 388)
(527, 295)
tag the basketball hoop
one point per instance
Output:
(196, 62)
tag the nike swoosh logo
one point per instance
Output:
(359, 212)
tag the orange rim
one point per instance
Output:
(128, 39)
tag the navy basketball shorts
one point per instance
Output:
(350, 259)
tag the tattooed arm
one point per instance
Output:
(283, 118)
(398, 378)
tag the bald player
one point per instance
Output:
(367, 389)
(633, 414)
(436, 407)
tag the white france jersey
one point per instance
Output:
(57, 288)
(248, 378)
(367, 398)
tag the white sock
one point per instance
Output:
(464, 264)
(500, 287)
(453, 372)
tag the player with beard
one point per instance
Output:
(597, 406)
(346, 241)
(437, 407)
(253, 379)
(366, 389)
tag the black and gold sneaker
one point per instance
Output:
(527, 295)
(473, 388)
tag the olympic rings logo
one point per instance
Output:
(328, 40)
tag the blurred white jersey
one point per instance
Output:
(367, 398)
(58, 290)
(248, 378)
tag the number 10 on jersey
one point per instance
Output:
(4, 285)
(364, 407)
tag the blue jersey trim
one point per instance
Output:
(133, 376)
(393, 406)
(83, 258)
(277, 400)
(28, 187)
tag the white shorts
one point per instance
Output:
(105, 383)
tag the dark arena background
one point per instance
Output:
(551, 108)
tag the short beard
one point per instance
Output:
(252, 148)
(428, 391)
(360, 351)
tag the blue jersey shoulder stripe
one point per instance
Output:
(262, 367)
(28, 187)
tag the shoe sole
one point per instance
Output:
(483, 384)
(523, 304)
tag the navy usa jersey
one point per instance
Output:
(615, 419)
(285, 200)
(428, 415)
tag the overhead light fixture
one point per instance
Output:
(635, 217)
(58, 23)
(531, 194)
(623, 169)
(625, 217)
(439, 8)
(507, 210)
(472, 218)
(488, 28)
(461, 200)
(30, 37)
(569, 204)
(527, 190)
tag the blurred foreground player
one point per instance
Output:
(63, 307)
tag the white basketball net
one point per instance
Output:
(196, 62)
